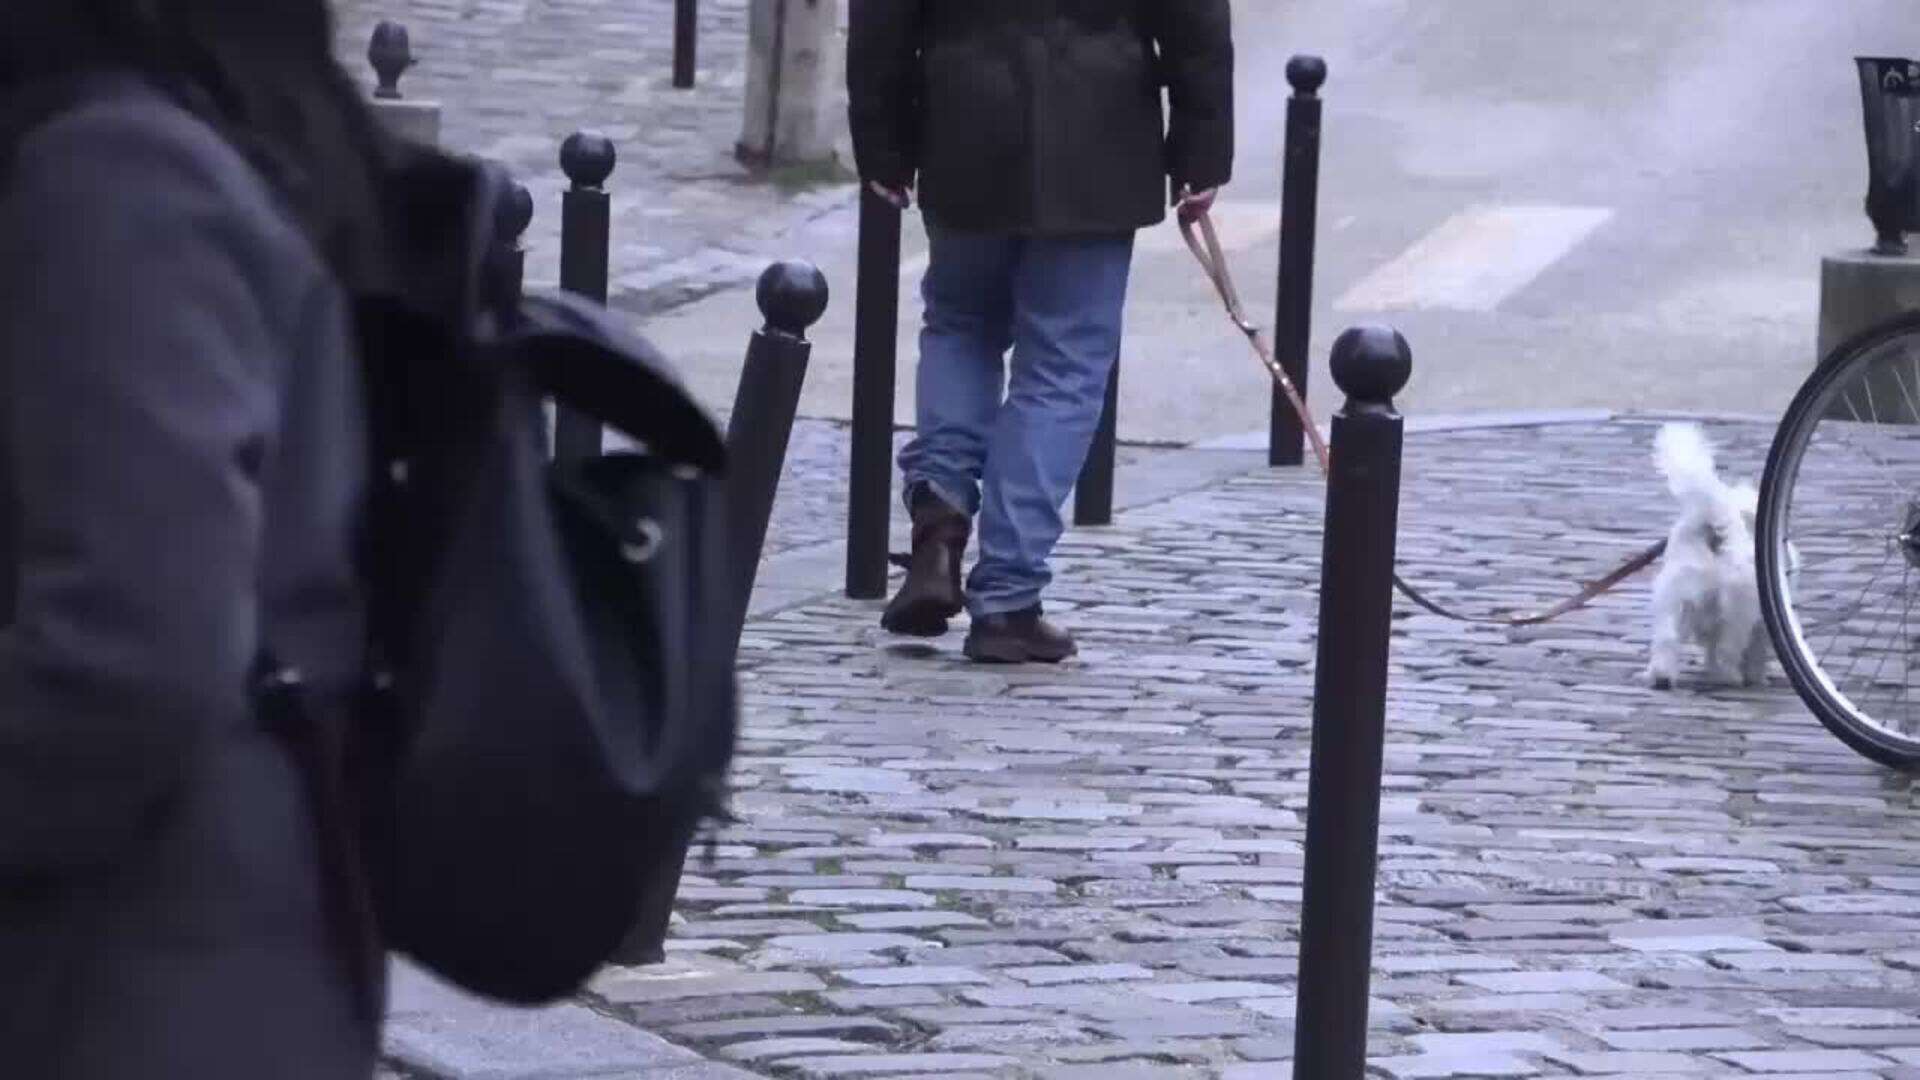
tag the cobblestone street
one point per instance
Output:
(1094, 872)
(516, 77)
(955, 871)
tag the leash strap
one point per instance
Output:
(1213, 260)
(1588, 593)
(1203, 239)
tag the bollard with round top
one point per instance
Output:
(793, 296)
(1370, 364)
(588, 158)
(1299, 217)
(511, 220)
(876, 330)
(1306, 74)
(586, 241)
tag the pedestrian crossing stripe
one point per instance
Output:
(1476, 259)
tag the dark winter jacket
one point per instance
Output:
(182, 446)
(1043, 115)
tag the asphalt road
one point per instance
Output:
(1562, 204)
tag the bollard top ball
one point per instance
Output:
(391, 54)
(793, 296)
(587, 157)
(1307, 74)
(515, 211)
(1371, 364)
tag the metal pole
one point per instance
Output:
(1093, 495)
(686, 42)
(792, 298)
(875, 349)
(1300, 209)
(586, 228)
(1370, 365)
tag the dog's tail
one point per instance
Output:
(1685, 458)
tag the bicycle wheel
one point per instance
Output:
(1838, 543)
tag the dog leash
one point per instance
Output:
(1203, 239)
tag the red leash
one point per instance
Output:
(1204, 241)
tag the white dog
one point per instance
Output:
(1707, 592)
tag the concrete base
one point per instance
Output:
(1858, 291)
(416, 121)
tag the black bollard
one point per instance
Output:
(1093, 494)
(686, 42)
(586, 227)
(515, 215)
(1300, 209)
(1370, 365)
(875, 357)
(792, 298)
(391, 54)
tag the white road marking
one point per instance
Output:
(1477, 259)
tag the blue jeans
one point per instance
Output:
(1009, 449)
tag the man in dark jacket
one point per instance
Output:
(1039, 141)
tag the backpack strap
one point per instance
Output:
(321, 751)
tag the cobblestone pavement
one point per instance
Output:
(956, 871)
(515, 77)
(812, 504)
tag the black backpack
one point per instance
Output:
(553, 711)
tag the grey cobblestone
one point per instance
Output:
(1579, 876)
(513, 79)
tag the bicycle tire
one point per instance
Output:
(1833, 708)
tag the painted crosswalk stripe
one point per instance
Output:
(1476, 259)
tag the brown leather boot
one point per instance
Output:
(1019, 637)
(931, 595)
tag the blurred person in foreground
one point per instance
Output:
(184, 187)
(1040, 143)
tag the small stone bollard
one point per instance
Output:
(1371, 365)
(1864, 288)
(391, 54)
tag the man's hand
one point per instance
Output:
(901, 197)
(1191, 204)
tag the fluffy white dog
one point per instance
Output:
(1707, 592)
